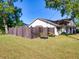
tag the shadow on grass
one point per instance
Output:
(44, 37)
(68, 35)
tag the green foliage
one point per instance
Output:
(1, 26)
(68, 7)
(51, 34)
(20, 23)
(17, 15)
(9, 14)
(77, 23)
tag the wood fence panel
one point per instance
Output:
(19, 31)
(51, 30)
(10, 31)
(34, 32)
(44, 34)
(31, 32)
(27, 32)
(14, 31)
(24, 32)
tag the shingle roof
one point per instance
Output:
(63, 21)
(57, 22)
(48, 21)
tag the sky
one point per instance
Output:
(33, 9)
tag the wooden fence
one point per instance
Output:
(31, 32)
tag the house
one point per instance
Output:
(59, 26)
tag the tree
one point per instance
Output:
(77, 23)
(7, 10)
(68, 7)
(17, 15)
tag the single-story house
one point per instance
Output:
(60, 26)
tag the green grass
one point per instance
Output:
(59, 47)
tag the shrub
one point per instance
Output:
(77, 31)
(64, 33)
(51, 34)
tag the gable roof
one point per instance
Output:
(57, 23)
(47, 21)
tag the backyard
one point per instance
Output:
(59, 47)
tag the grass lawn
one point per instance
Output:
(59, 47)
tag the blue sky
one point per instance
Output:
(33, 9)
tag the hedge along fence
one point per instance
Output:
(32, 32)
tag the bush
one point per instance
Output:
(51, 34)
(63, 33)
(77, 31)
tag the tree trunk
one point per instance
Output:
(5, 26)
